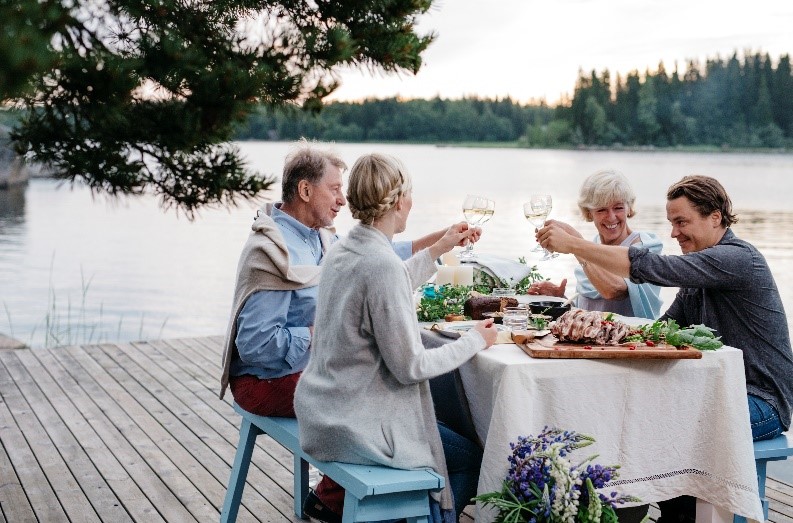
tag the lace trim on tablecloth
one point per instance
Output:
(681, 472)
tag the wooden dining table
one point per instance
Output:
(676, 427)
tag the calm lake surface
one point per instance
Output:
(81, 269)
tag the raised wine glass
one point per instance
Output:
(536, 210)
(477, 210)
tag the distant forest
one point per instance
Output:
(740, 102)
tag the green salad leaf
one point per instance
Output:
(700, 337)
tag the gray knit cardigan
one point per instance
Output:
(364, 396)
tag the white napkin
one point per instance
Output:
(511, 271)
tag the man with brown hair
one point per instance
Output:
(725, 283)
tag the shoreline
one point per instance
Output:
(9, 343)
(520, 145)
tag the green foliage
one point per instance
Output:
(485, 283)
(726, 103)
(25, 50)
(437, 302)
(129, 95)
(704, 105)
(697, 336)
(389, 120)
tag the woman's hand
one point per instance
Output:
(547, 288)
(488, 331)
(458, 234)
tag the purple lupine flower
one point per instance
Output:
(543, 478)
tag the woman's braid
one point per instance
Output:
(374, 210)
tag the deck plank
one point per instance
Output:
(175, 349)
(226, 425)
(272, 464)
(136, 432)
(31, 473)
(176, 409)
(14, 503)
(82, 479)
(78, 412)
(141, 423)
(139, 455)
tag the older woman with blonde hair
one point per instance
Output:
(607, 199)
(364, 396)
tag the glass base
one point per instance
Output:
(467, 257)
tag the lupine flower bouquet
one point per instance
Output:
(544, 486)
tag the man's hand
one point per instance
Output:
(558, 236)
(458, 234)
(488, 331)
(547, 288)
(476, 233)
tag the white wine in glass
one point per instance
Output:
(536, 210)
(476, 210)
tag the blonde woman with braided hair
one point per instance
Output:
(365, 396)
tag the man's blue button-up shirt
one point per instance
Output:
(272, 327)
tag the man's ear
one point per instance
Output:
(304, 190)
(715, 218)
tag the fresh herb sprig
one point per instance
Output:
(538, 321)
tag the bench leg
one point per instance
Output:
(413, 505)
(301, 485)
(762, 467)
(239, 472)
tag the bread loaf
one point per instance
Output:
(454, 317)
(475, 306)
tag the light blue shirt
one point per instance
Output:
(644, 299)
(272, 327)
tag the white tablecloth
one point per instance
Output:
(675, 426)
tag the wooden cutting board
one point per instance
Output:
(545, 349)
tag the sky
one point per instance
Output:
(533, 49)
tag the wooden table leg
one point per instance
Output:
(707, 513)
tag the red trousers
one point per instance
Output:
(275, 397)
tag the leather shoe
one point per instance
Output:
(314, 508)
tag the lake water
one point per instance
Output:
(79, 269)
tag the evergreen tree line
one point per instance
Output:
(735, 102)
(392, 120)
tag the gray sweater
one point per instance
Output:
(729, 287)
(364, 396)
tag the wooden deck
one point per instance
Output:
(136, 432)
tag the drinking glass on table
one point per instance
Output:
(515, 318)
(536, 210)
(477, 210)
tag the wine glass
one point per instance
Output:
(536, 210)
(477, 210)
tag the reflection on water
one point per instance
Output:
(86, 269)
(12, 203)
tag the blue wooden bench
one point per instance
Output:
(372, 493)
(775, 449)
